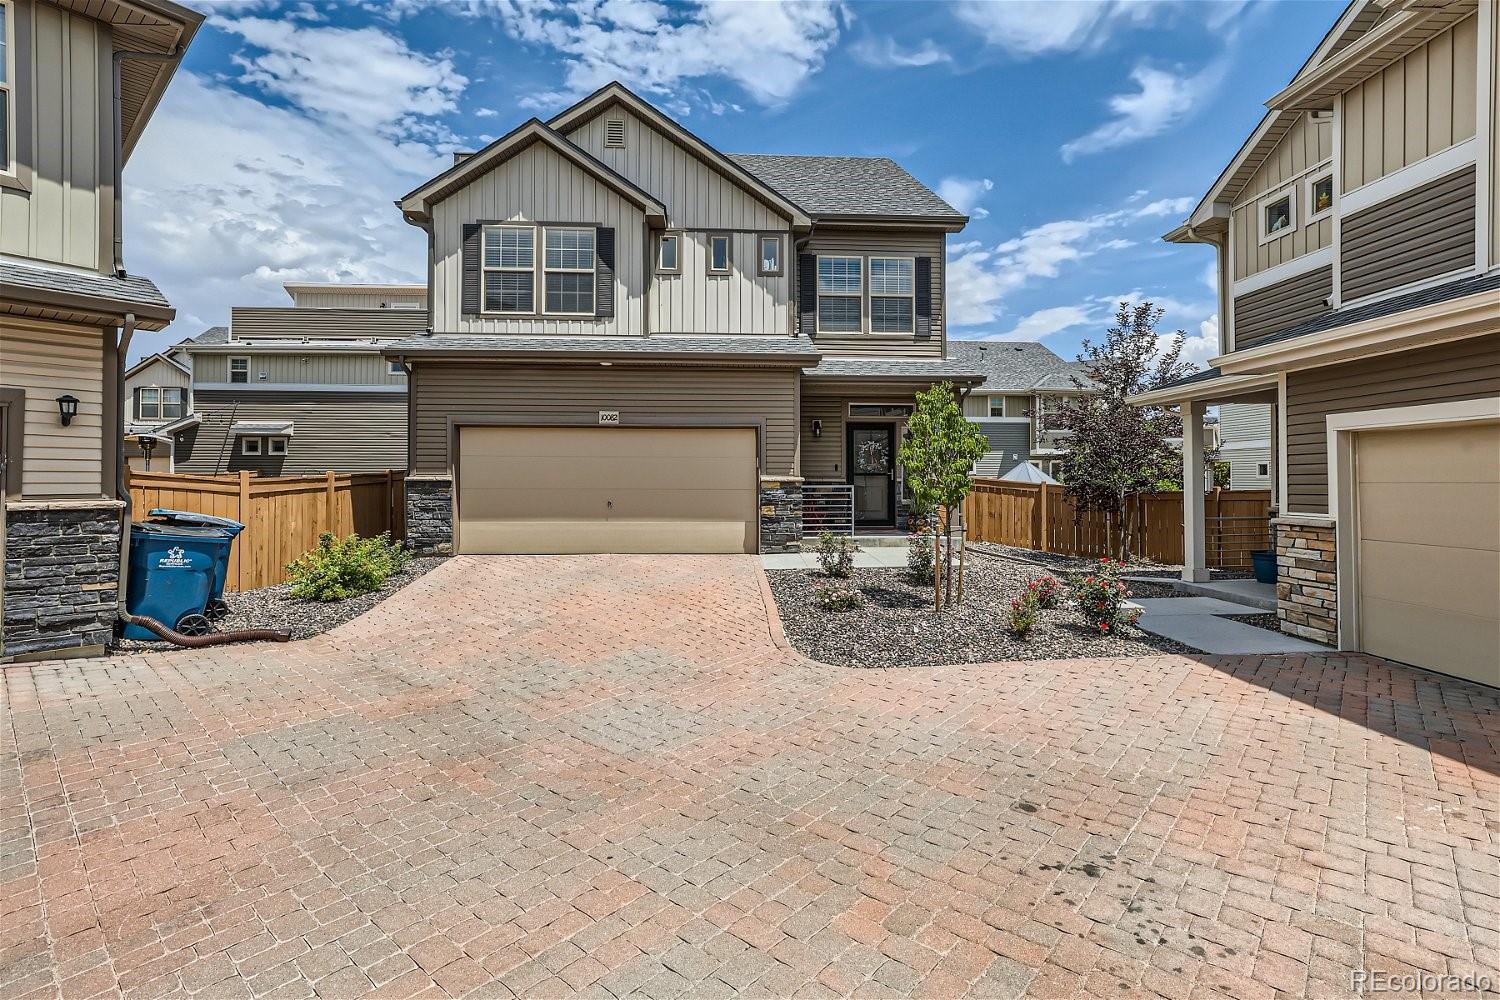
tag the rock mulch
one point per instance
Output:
(1266, 620)
(275, 607)
(897, 627)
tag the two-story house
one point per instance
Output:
(640, 343)
(1359, 272)
(79, 80)
(299, 389)
(158, 402)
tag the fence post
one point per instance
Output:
(243, 516)
(1044, 501)
(330, 504)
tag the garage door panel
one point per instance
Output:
(1469, 454)
(1446, 641)
(552, 504)
(537, 537)
(1463, 580)
(559, 472)
(604, 442)
(1451, 514)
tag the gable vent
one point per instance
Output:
(614, 133)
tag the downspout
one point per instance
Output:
(122, 487)
(119, 157)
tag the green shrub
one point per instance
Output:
(836, 554)
(839, 597)
(1101, 597)
(341, 568)
(1023, 614)
(919, 559)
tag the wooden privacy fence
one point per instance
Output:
(1042, 517)
(283, 515)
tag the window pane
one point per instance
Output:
(718, 253)
(1278, 215)
(997, 406)
(570, 293)
(890, 276)
(890, 315)
(509, 247)
(669, 253)
(838, 313)
(509, 291)
(770, 254)
(1322, 194)
(839, 274)
(571, 248)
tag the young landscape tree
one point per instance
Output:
(938, 453)
(1116, 449)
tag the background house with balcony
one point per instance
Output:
(1357, 232)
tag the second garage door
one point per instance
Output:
(1428, 518)
(606, 489)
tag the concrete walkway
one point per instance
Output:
(1196, 622)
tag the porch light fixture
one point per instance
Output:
(67, 408)
(817, 428)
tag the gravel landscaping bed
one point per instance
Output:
(1266, 620)
(274, 607)
(897, 626)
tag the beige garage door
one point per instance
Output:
(606, 489)
(1429, 548)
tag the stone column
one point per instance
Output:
(62, 577)
(781, 515)
(1194, 563)
(1307, 579)
(429, 514)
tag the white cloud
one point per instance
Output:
(1198, 348)
(1162, 100)
(1042, 27)
(1165, 206)
(964, 194)
(887, 52)
(1210, 276)
(1055, 319)
(769, 49)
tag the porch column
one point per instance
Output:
(1194, 565)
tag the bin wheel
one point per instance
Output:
(193, 624)
(217, 609)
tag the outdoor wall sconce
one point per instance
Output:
(817, 428)
(67, 408)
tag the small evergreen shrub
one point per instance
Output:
(340, 568)
(919, 564)
(1101, 597)
(836, 555)
(1045, 591)
(839, 597)
(1023, 614)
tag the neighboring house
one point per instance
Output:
(158, 402)
(1245, 444)
(640, 343)
(301, 389)
(79, 80)
(1024, 382)
(1358, 238)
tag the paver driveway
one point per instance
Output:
(540, 775)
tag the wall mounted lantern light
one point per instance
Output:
(67, 408)
(817, 428)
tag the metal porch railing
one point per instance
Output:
(827, 507)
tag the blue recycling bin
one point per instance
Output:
(172, 570)
(162, 515)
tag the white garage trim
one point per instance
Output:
(1341, 483)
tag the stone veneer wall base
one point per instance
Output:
(62, 579)
(1307, 580)
(429, 515)
(780, 515)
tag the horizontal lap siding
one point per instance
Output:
(347, 368)
(47, 361)
(879, 243)
(251, 322)
(1421, 234)
(1009, 445)
(343, 431)
(1267, 311)
(1464, 369)
(562, 394)
(823, 456)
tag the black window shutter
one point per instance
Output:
(604, 271)
(473, 240)
(924, 296)
(807, 293)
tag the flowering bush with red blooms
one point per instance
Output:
(1045, 592)
(1101, 597)
(1023, 615)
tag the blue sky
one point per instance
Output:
(1074, 133)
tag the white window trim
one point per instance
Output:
(592, 271)
(728, 267)
(1287, 194)
(885, 295)
(676, 238)
(485, 270)
(250, 446)
(819, 293)
(230, 371)
(1263, 469)
(8, 166)
(760, 255)
(1311, 214)
(140, 402)
(991, 407)
(276, 446)
(394, 368)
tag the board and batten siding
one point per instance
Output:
(1418, 106)
(884, 243)
(537, 186)
(282, 322)
(297, 368)
(1265, 312)
(1419, 234)
(1307, 144)
(696, 195)
(65, 135)
(1462, 369)
(564, 394)
(158, 373)
(741, 302)
(47, 360)
(343, 431)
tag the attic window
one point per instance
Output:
(1276, 218)
(614, 133)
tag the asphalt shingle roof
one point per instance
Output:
(129, 290)
(663, 346)
(847, 185)
(1018, 365)
(908, 368)
(213, 335)
(1456, 289)
(1208, 374)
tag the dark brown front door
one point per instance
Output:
(872, 470)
